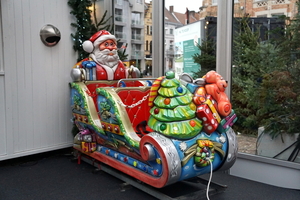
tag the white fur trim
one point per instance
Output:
(88, 46)
(102, 38)
(110, 71)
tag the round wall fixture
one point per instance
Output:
(50, 35)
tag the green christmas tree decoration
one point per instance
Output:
(173, 113)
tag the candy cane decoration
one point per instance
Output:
(154, 90)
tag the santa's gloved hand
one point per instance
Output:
(88, 64)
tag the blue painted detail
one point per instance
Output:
(190, 169)
(192, 87)
(123, 84)
(125, 159)
(149, 83)
(77, 102)
(106, 110)
(89, 65)
(144, 168)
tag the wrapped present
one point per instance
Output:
(213, 101)
(88, 138)
(88, 146)
(190, 84)
(213, 107)
(227, 122)
(209, 122)
(85, 131)
(90, 67)
(199, 96)
(192, 87)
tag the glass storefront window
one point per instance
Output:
(265, 75)
(183, 32)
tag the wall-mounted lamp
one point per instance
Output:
(50, 35)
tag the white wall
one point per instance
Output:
(2, 102)
(2, 116)
(34, 93)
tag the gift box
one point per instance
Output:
(90, 74)
(213, 107)
(227, 122)
(88, 138)
(209, 122)
(90, 69)
(199, 96)
(192, 87)
(88, 146)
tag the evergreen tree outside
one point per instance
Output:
(265, 80)
(206, 58)
(283, 85)
(252, 61)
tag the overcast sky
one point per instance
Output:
(181, 5)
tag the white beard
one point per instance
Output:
(102, 57)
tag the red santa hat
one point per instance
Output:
(96, 40)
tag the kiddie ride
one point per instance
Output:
(159, 132)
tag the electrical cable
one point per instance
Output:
(210, 177)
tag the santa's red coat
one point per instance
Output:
(107, 73)
(119, 73)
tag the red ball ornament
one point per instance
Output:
(117, 130)
(192, 123)
(156, 111)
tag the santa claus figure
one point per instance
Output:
(103, 62)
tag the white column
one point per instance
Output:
(224, 40)
(158, 37)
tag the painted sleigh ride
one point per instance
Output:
(159, 132)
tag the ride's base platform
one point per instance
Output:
(194, 188)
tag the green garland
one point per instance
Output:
(84, 25)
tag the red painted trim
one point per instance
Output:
(158, 182)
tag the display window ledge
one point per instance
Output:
(272, 161)
(270, 171)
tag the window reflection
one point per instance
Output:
(265, 71)
(129, 30)
(182, 34)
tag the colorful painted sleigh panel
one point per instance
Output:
(155, 131)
